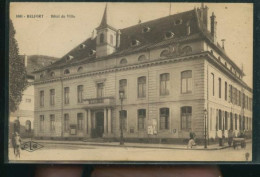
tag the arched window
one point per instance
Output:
(164, 53)
(123, 61)
(186, 50)
(28, 125)
(66, 71)
(101, 40)
(186, 113)
(52, 74)
(164, 119)
(111, 39)
(142, 58)
(186, 81)
(80, 69)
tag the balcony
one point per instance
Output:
(99, 102)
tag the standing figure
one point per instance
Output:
(17, 142)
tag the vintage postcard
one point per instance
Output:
(116, 82)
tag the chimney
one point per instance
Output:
(213, 27)
(223, 43)
(118, 39)
(25, 60)
(205, 16)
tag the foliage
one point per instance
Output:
(17, 72)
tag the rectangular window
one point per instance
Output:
(80, 121)
(165, 84)
(186, 82)
(226, 121)
(226, 91)
(52, 97)
(66, 122)
(219, 119)
(141, 87)
(240, 122)
(123, 119)
(123, 86)
(213, 84)
(52, 122)
(230, 93)
(164, 118)
(41, 98)
(41, 123)
(66, 95)
(239, 98)
(100, 90)
(219, 87)
(243, 100)
(141, 118)
(231, 121)
(186, 113)
(236, 122)
(80, 93)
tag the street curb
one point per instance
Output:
(132, 146)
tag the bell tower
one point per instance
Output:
(106, 37)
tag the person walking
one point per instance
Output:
(13, 142)
(17, 142)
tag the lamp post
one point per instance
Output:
(121, 95)
(205, 128)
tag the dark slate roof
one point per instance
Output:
(153, 38)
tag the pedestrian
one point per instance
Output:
(17, 141)
(13, 142)
(191, 143)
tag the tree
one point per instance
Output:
(17, 72)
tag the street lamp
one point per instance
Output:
(205, 126)
(121, 95)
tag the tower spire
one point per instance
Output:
(104, 19)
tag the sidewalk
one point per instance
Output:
(132, 145)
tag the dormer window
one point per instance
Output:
(186, 50)
(80, 69)
(123, 61)
(146, 29)
(52, 74)
(142, 58)
(92, 52)
(66, 71)
(69, 57)
(178, 22)
(164, 53)
(169, 34)
(135, 42)
(82, 46)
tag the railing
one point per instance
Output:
(100, 101)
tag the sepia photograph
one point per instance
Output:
(130, 82)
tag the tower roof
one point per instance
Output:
(105, 22)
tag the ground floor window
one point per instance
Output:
(164, 118)
(66, 122)
(235, 121)
(80, 121)
(52, 122)
(219, 119)
(123, 119)
(186, 113)
(41, 123)
(141, 118)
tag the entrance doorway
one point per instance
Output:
(99, 124)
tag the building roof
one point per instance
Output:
(176, 23)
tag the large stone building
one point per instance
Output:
(176, 79)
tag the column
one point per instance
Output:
(105, 120)
(109, 120)
(89, 121)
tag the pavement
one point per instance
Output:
(132, 145)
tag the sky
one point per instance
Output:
(57, 36)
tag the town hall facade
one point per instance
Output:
(175, 77)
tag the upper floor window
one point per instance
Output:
(66, 122)
(66, 71)
(186, 114)
(164, 53)
(41, 76)
(142, 58)
(52, 97)
(80, 69)
(141, 119)
(66, 95)
(165, 84)
(52, 122)
(80, 93)
(111, 39)
(80, 121)
(101, 40)
(141, 87)
(100, 89)
(219, 87)
(123, 86)
(225, 90)
(123, 119)
(123, 61)
(164, 119)
(41, 98)
(239, 98)
(186, 81)
(213, 83)
(52, 74)
(186, 50)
